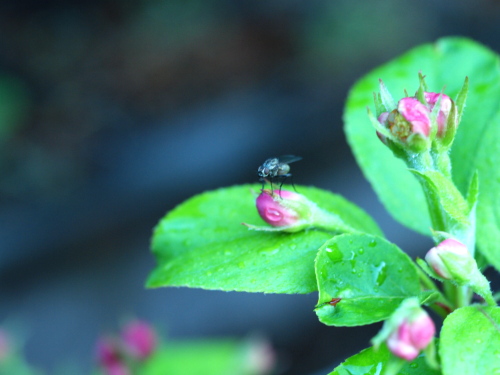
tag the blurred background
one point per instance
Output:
(113, 112)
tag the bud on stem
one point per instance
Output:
(419, 123)
(287, 211)
(451, 260)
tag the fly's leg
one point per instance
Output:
(283, 179)
(264, 180)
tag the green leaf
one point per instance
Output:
(470, 341)
(373, 362)
(370, 275)
(476, 147)
(486, 161)
(202, 244)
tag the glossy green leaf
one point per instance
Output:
(370, 275)
(373, 362)
(477, 145)
(470, 341)
(202, 244)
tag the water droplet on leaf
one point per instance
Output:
(334, 254)
(380, 273)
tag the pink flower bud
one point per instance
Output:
(411, 336)
(448, 248)
(409, 126)
(444, 111)
(416, 114)
(273, 209)
(139, 339)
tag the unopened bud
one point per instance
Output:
(274, 208)
(417, 116)
(446, 118)
(409, 125)
(411, 336)
(287, 211)
(450, 259)
(444, 109)
(408, 331)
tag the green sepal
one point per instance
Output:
(428, 297)
(461, 99)
(444, 143)
(378, 126)
(379, 106)
(421, 89)
(386, 98)
(473, 193)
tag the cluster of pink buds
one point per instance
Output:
(136, 343)
(417, 123)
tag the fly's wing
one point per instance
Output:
(287, 159)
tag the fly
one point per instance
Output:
(277, 168)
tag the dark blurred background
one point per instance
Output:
(113, 112)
